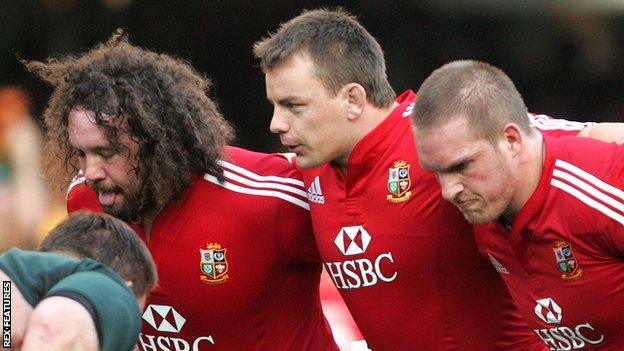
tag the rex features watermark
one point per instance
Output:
(6, 314)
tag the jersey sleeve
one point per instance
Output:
(116, 309)
(292, 223)
(81, 197)
(296, 236)
(556, 127)
(592, 178)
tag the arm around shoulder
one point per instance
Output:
(607, 132)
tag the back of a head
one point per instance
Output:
(477, 91)
(342, 50)
(160, 100)
(107, 240)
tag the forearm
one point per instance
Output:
(60, 323)
(607, 132)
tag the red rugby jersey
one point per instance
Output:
(404, 260)
(237, 262)
(562, 258)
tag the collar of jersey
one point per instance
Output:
(533, 207)
(375, 143)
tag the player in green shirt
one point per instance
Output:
(64, 300)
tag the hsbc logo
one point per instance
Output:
(164, 318)
(562, 337)
(548, 311)
(362, 272)
(352, 240)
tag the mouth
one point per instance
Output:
(106, 194)
(294, 148)
(465, 204)
(107, 198)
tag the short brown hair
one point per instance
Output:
(475, 90)
(108, 240)
(342, 51)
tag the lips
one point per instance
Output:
(294, 148)
(465, 204)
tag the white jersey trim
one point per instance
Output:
(247, 182)
(78, 179)
(252, 183)
(544, 122)
(258, 177)
(570, 179)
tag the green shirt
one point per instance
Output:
(41, 274)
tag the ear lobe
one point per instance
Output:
(356, 100)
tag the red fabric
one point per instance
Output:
(586, 304)
(409, 270)
(270, 300)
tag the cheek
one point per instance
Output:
(499, 184)
(120, 171)
(309, 129)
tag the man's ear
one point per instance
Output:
(356, 99)
(514, 139)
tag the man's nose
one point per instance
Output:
(279, 124)
(92, 169)
(451, 186)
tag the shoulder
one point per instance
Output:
(24, 262)
(594, 155)
(591, 173)
(81, 197)
(261, 163)
(35, 273)
(259, 174)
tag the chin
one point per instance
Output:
(119, 212)
(305, 162)
(474, 218)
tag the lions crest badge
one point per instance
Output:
(399, 182)
(566, 262)
(213, 264)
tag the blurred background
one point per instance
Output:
(564, 56)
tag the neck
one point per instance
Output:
(528, 173)
(361, 126)
(147, 220)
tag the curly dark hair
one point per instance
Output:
(161, 101)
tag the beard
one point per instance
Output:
(136, 202)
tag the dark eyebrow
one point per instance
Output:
(286, 100)
(456, 167)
